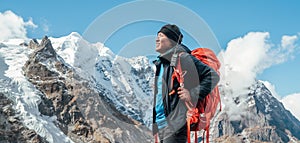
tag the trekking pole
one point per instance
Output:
(156, 139)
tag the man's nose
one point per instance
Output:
(157, 39)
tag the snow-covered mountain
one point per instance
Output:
(124, 81)
(254, 117)
(60, 101)
(69, 90)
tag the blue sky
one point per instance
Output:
(228, 20)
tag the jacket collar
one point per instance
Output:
(179, 48)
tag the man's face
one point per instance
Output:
(163, 43)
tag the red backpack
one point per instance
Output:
(205, 109)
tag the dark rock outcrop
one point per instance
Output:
(11, 128)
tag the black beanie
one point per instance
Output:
(172, 32)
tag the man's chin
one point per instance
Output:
(157, 49)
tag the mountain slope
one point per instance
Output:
(81, 111)
(24, 95)
(125, 82)
(264, 120)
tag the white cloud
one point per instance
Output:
(291, 102)
(246, 57)
(285, 51)
(13, 26)
(243, 59)
(287, 42)
(45, 28)
(45, 25)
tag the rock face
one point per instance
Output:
(11, 128)
(82, 112)
(265, 120)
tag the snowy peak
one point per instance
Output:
(74, 43)
(75, 34)
(46, 49)
(275, 112)
(81, 54)
(46, 55)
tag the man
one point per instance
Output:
(169, 109)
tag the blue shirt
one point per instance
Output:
(159, 107)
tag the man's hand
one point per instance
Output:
(184, 94)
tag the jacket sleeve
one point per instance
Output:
(207, 79)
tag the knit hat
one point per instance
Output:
(172, 32)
